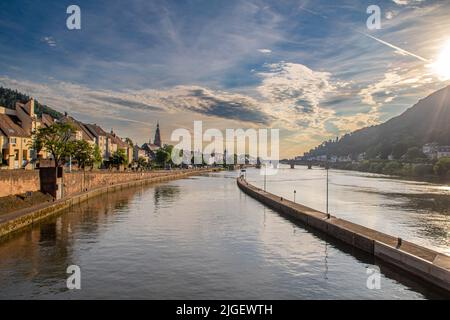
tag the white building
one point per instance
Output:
(443, 151)
(430, 150)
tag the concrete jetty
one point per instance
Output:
(428, 265)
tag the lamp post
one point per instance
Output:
(294, 195)
(326, 168)
(265, 175)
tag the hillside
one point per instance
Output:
(426, 121)
(8, 99)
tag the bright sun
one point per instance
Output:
(442, 64)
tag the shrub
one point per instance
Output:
(442, 167)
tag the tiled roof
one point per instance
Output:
(95, 130)
(47, 120)
(116, 140)
(9, 127)
(86, 134)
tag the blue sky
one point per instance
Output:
(306, 67)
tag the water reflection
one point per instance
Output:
(416, 211)
(165, 195)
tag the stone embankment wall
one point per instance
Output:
(76, 182)
(18, 181)
(430, 266)
(14, 182)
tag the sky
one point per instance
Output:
(312, 69)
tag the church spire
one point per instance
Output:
(157, 140)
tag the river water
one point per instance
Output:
(415, 211)
(202, 238)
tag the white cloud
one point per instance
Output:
(407, 2)
(390, 15)
(292, 93)
(291, 96)
(395, 82)
(265, 51)
(49, 41)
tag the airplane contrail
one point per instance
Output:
(395, 47)
(374, 38)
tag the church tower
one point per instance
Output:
(157, 140)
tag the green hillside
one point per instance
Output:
(9, 97)
(426, 121)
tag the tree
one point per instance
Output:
(129, 142)
(399, 150)
(83, 153)
(142, 163)
(97, 156)
(414, 153)
(119, 157)
(162, 157)
(442, 167)
(56, 140)
(36, 144)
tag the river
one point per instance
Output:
(202, 238)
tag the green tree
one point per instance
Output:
(129, 142)
(142, 163)
(442, 167)
(162, 157)
(36, 144)
(83, 153)
(119, 157)
(392, 167)
(56, 140)
(399, 150)
(421, 170)
(97, 156)
(414, 153)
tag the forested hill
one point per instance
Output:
(426, 121)
(8, 99)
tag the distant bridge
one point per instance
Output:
(308, 163)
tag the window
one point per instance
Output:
(13, 140)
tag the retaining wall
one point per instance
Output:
(18, 181)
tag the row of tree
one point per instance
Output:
(57, 140)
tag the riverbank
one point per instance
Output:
(426, 264)
(396, 169)
(17, 220)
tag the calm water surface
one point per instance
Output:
(197, 238)
(415, 211)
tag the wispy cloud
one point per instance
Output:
(49, 41)
(407, 2)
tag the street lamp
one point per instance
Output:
(326, 168)
(265, 175)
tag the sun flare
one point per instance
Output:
(442, 64)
